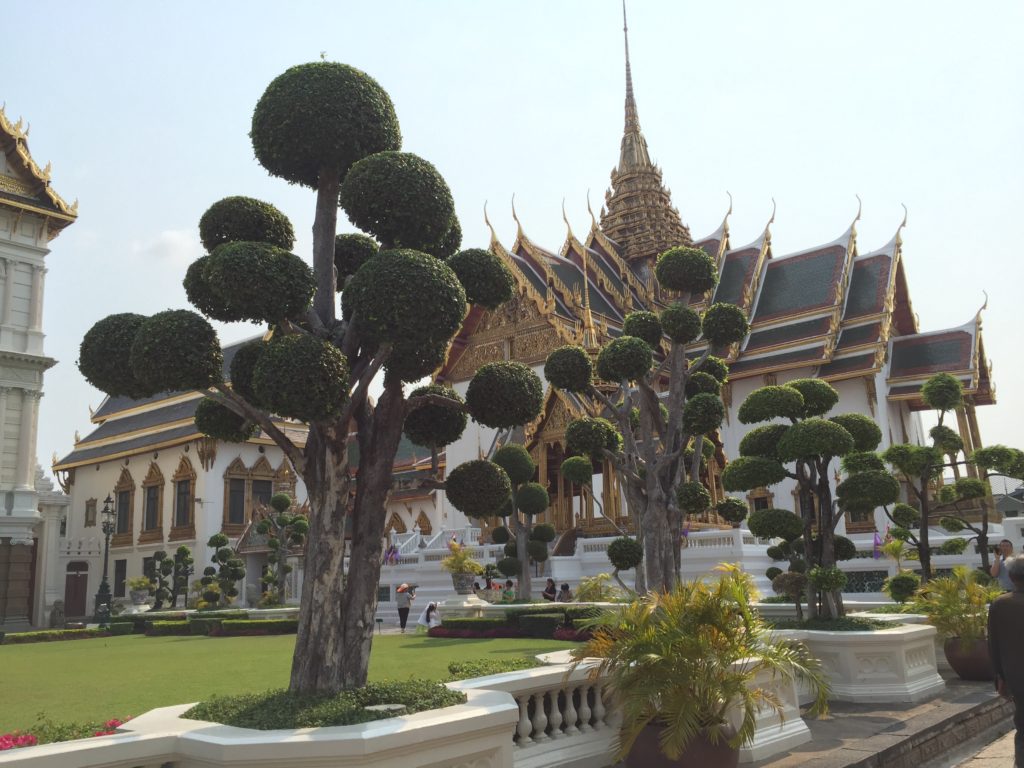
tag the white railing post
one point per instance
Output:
(525, 726)
(540, 719)
(584, 710)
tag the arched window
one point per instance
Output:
(236, 492)
(152, 505)
(262, 475)
(124, 506)
(396, 524)
(424, 523)
(183, 525)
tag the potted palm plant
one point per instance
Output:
(463, 568)
(957, 606)
(678, 665)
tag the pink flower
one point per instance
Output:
(17, 739)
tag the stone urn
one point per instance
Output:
(463, 583)
(970, 661)
(138, 596)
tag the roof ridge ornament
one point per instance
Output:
(977, 315)
(565, 218)
(519, 225)
(593, 220)
(487, 221)
(772, 219)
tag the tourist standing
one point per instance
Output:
(549, 591)
(403, 599)
(1005, 630)
(998, 571)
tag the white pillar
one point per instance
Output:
(35, 322)
(49, 585)
(4, 392)
(26, 454)
(8, 290)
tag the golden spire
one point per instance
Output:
(633, 153)
(589, 334)
(632, 118)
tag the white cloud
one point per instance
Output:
(170, 248)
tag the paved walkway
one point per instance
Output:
(998, 754)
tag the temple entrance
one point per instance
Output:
(76, 588)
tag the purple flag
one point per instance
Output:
(878, 545)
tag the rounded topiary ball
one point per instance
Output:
(478, 488)
(625, 553)
(716, 367)
(775, 524)
(351, 251)
(504, 394)
(532, 499)
(434, 424)
(902, 586)
(862, 461)
(643, 325)
(321, 117)
(686, 269)
(703, 414)
(763, 440)
(399, 198)
(820, 397)
(814, 437)
(792, 584)
(409, 299)
(280, 502)
(905, 516)
(449, 244)
(844, 548)
(724, 324)
(701, 382)
(732, 510)
(201, 293)
(746, 472)
(509, 566)
(569, 368)
(771, 402)
(865, 432)
(590, 437)
(627, 358)
(538, 550)
(243, 364)
(500, 535)
(693, 498)
(516, 462)
(680, 323)
(175, 350)
(543, 532)
(104, 357)
(258, 282)
(245, 218)
(578, 470)
(216, 420)
(484, 276)
(302, 377)
(942, 392)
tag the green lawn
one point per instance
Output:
(98, 679)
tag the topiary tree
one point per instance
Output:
(803, 449)
(183, 569)
(227, 570)
(920, 466)
(525, 500)
(654, 410)
(284, 531)
(331, 128)
(624, 553)
(161, 575)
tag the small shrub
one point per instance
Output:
(120, 628)
(473, 623)
(164, 628)
(902, 586)
(513, 615)
(464, 670)
(581, 613)
(50, 635)
(235, 627)
(541, 625)
(845, 624)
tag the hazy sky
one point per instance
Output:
(144, 110)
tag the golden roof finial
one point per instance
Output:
(977, 315)
(860, 207)
(487, 221)
(565, 218)
(593, 221)
(519, 226)
(772, 219)
(899, 229)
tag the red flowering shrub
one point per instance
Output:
(574, 635)
(16, 739)
(46, 732)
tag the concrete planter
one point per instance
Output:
(884, 666)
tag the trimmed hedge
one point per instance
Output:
(513, 615)
(541, 625)
(236, 627)
(475, 634)
(120, 628)
(477, 624)
(582, 613)
(465, 670)
(165, 628)
(138, 621)
(50, 635)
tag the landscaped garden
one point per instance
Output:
(116, 677)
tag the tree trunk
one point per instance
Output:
(832, 599)
(325, 223)
(635, 505)
(525, 591)
(658, 546)
(807, 514)
(923, 547)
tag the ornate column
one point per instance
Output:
(26, 430)
(35, 322)
(4, 392)
(9, 269)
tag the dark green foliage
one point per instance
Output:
(237, 218)
(532, 499)
(257, 282)
(732, 510)
(116, 630)
(942, 392)
(953, 547)
(509, 566)
(775, 524)
(643, 325)
(865, 432)
(386, 296)
(763, 441)
(900, 534)
(400, 199)
(845, 549)
(913, 460)
(845, 624)
(202, 294)
(776, 552)
(952, 524)
(686, 269)
(541, 625)
(772, 402)
(579, 616)
(538, 550)
(827, 579)
(219, 421)
(693, 498)
(946, 440)
(772, 572)
(477, 624)
(510, 549)
(748, 472)
(543, 532)
(104, 357)
(867, 490)
(716, 367)
(301, 377)
(176, 349)
(50, 635)
(905, 516)
(243, 365)
(351, 251)
(478, 488)
(270, 710)
(792, 584)
(820, 397)
(321, 118)
(233, 627)
(970, 488)
(814, 437)
(902, 586)
(724, 324)
(624, 359)
(699, 383)
(228, 571)
(625, 553)
(1001, 459)
(516, 462)
(447, 246)
(500, 535)
(798, 565)
(467, 670)
(165, 628)
(504, 394)
(433, 424)
(861, 461)
(569, 368)
(703, 414)
(578, 469)
(680, 323)
(591, 437)
(484, 276)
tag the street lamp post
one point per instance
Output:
(102, 606)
